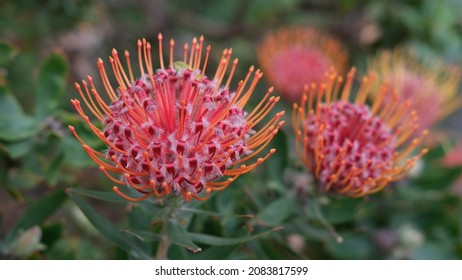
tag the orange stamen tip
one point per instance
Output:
(159, 36)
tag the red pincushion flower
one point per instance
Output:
(294, 56)
(427, 81)
(351, 148)
(174, 130)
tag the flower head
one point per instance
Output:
(174, 130)
(427, 81)
(294, 56)
(350, 147)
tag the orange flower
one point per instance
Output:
(428, 82)
(294, 56)
(352, 148)
(174, 130)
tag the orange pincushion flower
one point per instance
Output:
(352, 148)
(174, 130)
(428, 82)
(294, 56)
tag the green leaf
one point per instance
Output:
(179, 236)
(7, 52)
(279, 159)
(14, 124)
(277, 211)
(51, 84)
(108, 196)
(226, 241)
(351, 248)
(18, 149)
(432, 251)
(107, 229)
(39, 212)
(215, 214)
(341, 211)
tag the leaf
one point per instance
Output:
(107, 229)
(51, 84)
(280, 158)
(108, 196)
(7, 52)
(179, 236)
(351, 248)
(432, 251)
(14, 124)
(277, 211)
(226, 241)
(17, 149)
(210, 213)
(264, 10)
(342, 211)
(38, 212)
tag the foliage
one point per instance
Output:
(54, 203)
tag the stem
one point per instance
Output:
(164, 244)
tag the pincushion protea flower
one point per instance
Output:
(294, 56)
(427, 81)
(352, 148)
(174, 130)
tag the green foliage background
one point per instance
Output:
(55, 204)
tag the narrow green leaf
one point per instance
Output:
(277, 211)
(107, 229)
(14, 124)
(226, 241)
(39, 212)
(109, 196)
(51, 84)
(7, 52)
(179, 236)
(215, 214)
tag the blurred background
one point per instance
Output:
(47, 45)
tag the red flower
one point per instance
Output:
(294, 56)
(351, 148)
(174, 130)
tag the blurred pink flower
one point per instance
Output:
(294, 56)
(428, 82)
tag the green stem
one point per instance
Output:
(164, 243)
